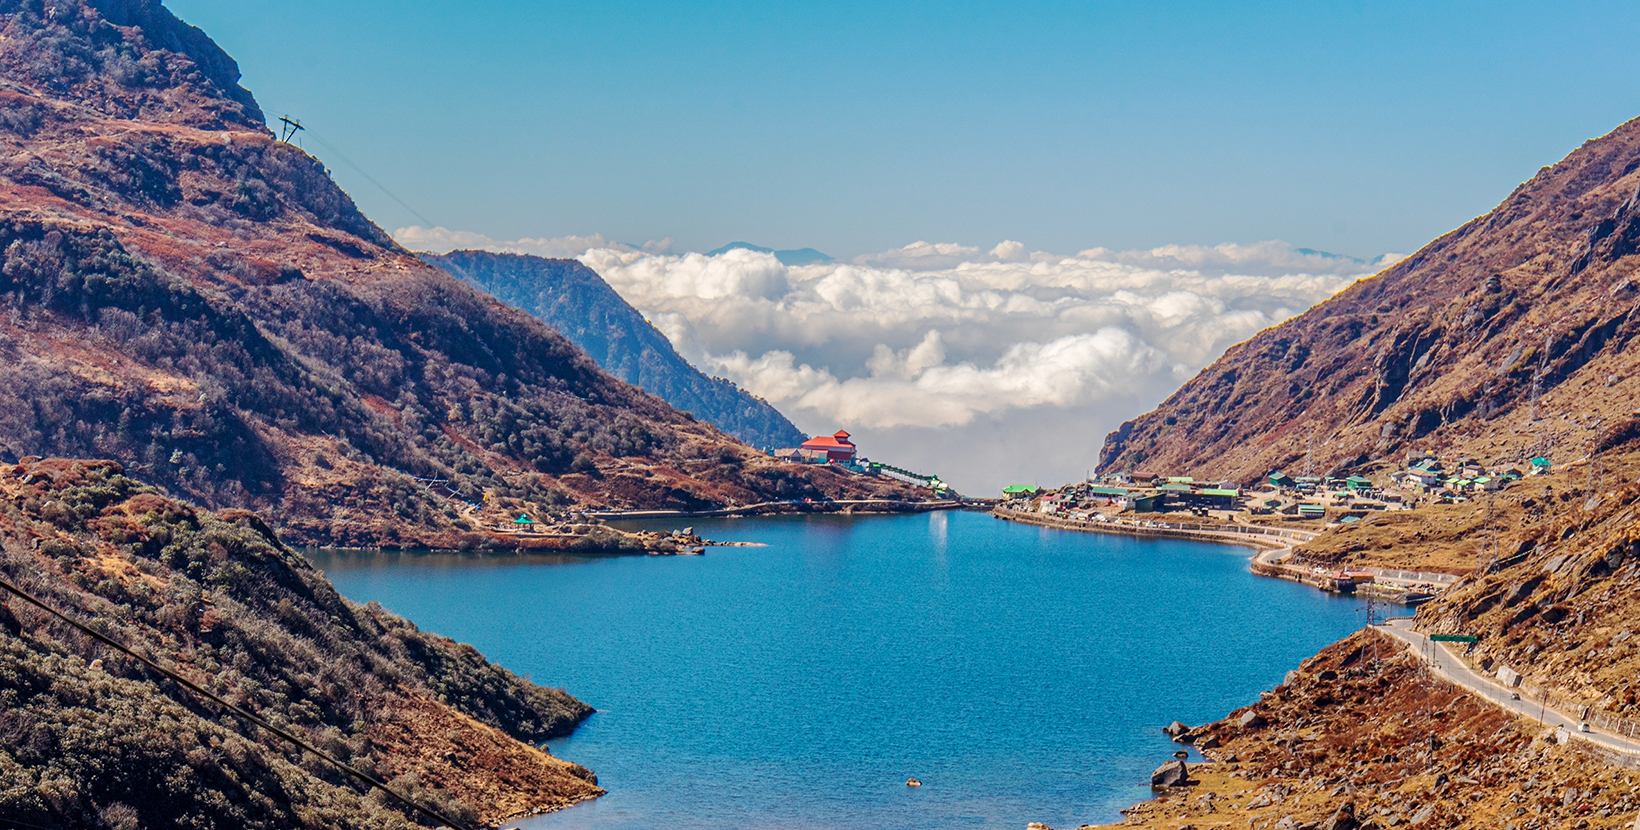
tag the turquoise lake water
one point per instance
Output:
(1023, 674)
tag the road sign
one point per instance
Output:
(1453, 638)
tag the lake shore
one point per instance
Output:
(1274, 557)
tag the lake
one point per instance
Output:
(1022, 673)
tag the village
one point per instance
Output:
(1279, 497)
(837, 449)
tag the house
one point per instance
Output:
(1312, 511)
(1281, 480)
(1108, 494)
(1421, 477)
(1020, 491)
(1215, 498)
(836, 446)
(1358, 483)
(1150, 504)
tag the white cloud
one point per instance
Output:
(985, 366)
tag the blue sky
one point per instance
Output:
(1354, 127)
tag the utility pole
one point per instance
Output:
(289, 127)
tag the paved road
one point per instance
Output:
(1449, 666)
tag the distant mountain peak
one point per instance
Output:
(799, 256)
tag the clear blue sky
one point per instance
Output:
(1356, 127)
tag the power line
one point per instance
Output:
(346, 768)
(292, 126)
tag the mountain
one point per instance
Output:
(800, 256)
(95, 739)
(199, 301)
(1507, 339)
(1504, 339)
(573, 299)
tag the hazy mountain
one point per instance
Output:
(800, 256)
(573, 299)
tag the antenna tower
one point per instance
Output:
(288, 128)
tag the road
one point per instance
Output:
(1450, 667)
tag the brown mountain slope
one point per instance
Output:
(1443, 350)
(90, 738)
(184, 293)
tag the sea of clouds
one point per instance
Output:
(985, 366)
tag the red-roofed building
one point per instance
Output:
(837, 447)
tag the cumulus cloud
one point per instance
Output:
(983, 365)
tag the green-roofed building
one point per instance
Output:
(1020, 491)
(1358, 483)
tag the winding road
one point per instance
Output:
(1452, 668)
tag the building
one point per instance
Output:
(1020, 491)
(836, 446)
(1214, 498)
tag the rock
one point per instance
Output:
(1342, 819)
(1175, 729)
(1208, 742)
(1170, 774)
(1252, 720)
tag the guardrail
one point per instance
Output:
(1413, 576)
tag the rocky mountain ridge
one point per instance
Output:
(1507, 339)
(184, 293)
(1502, 339)
(94, 739)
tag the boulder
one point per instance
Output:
(1175, 729)
(1251, 720)
(1170, 774)
(1342, 819)
(1207, 742)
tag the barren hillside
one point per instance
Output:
(1503, 339)
(188, 295)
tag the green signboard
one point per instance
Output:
(1453, 638)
